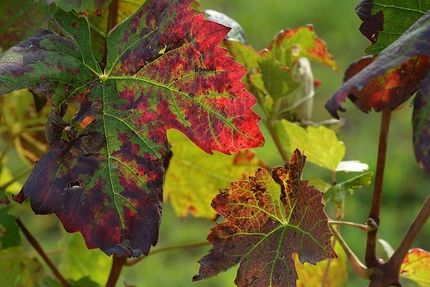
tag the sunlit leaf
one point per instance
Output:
(415, 267)
(320, 144)
(194, 177)
(268, 219)
(290, 45)
(333, 275)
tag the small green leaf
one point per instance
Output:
(320, 144)
(9, 230)
(336, 193)
(19, 270)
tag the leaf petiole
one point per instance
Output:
(365, 227)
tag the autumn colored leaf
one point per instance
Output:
(107, 181)
(28, 14)
(95, 6)
(388, 80)
(415, 267)
(384, 21)
(290, 45)
(268, 219)
(319, 143)
(194, 177)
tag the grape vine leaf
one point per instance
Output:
(384, 21)
(193, 176)
(421, 125)
(386, 81)
(94, 6)
(164, 71)
(320, 143)
(27, 14)
(268, 219)
(415, 267)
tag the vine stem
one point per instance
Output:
(112, 21)
(276, 139)
(372, 260)
(410, 236)
(42, 253)
(364, 227)
(117, 264)
(169, 248)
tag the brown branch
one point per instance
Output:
(410, 236)
(42, 253)
(117, 264)
(372, 260)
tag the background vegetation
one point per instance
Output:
(406, 185)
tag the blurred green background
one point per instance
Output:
(405, 186)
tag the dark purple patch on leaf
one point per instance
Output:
(372, 23)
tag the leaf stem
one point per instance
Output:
(372, 260)
(42, 253)
(117, 263)
(112, 21)
(169, 248)
(272, 130)
(356, 264)
(364, 227)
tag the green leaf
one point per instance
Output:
(78, 262)
(194, 177)
(9, 230)
(95, 6)
(107, 181)
(320, 144)
(384, 20)
(268, 218)
(337, 192)
(415, 267)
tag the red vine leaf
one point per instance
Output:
(268, 219)
(386, 81)
(164, 71)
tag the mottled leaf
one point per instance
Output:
(290, 45)
(194, 177)
(106, 182)
(320, 144)
(334, 275)
(385, 20)
(415, 267)
(28, 14)
(421, 125)
(93, 6)
(388, 80)
(268, 219)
